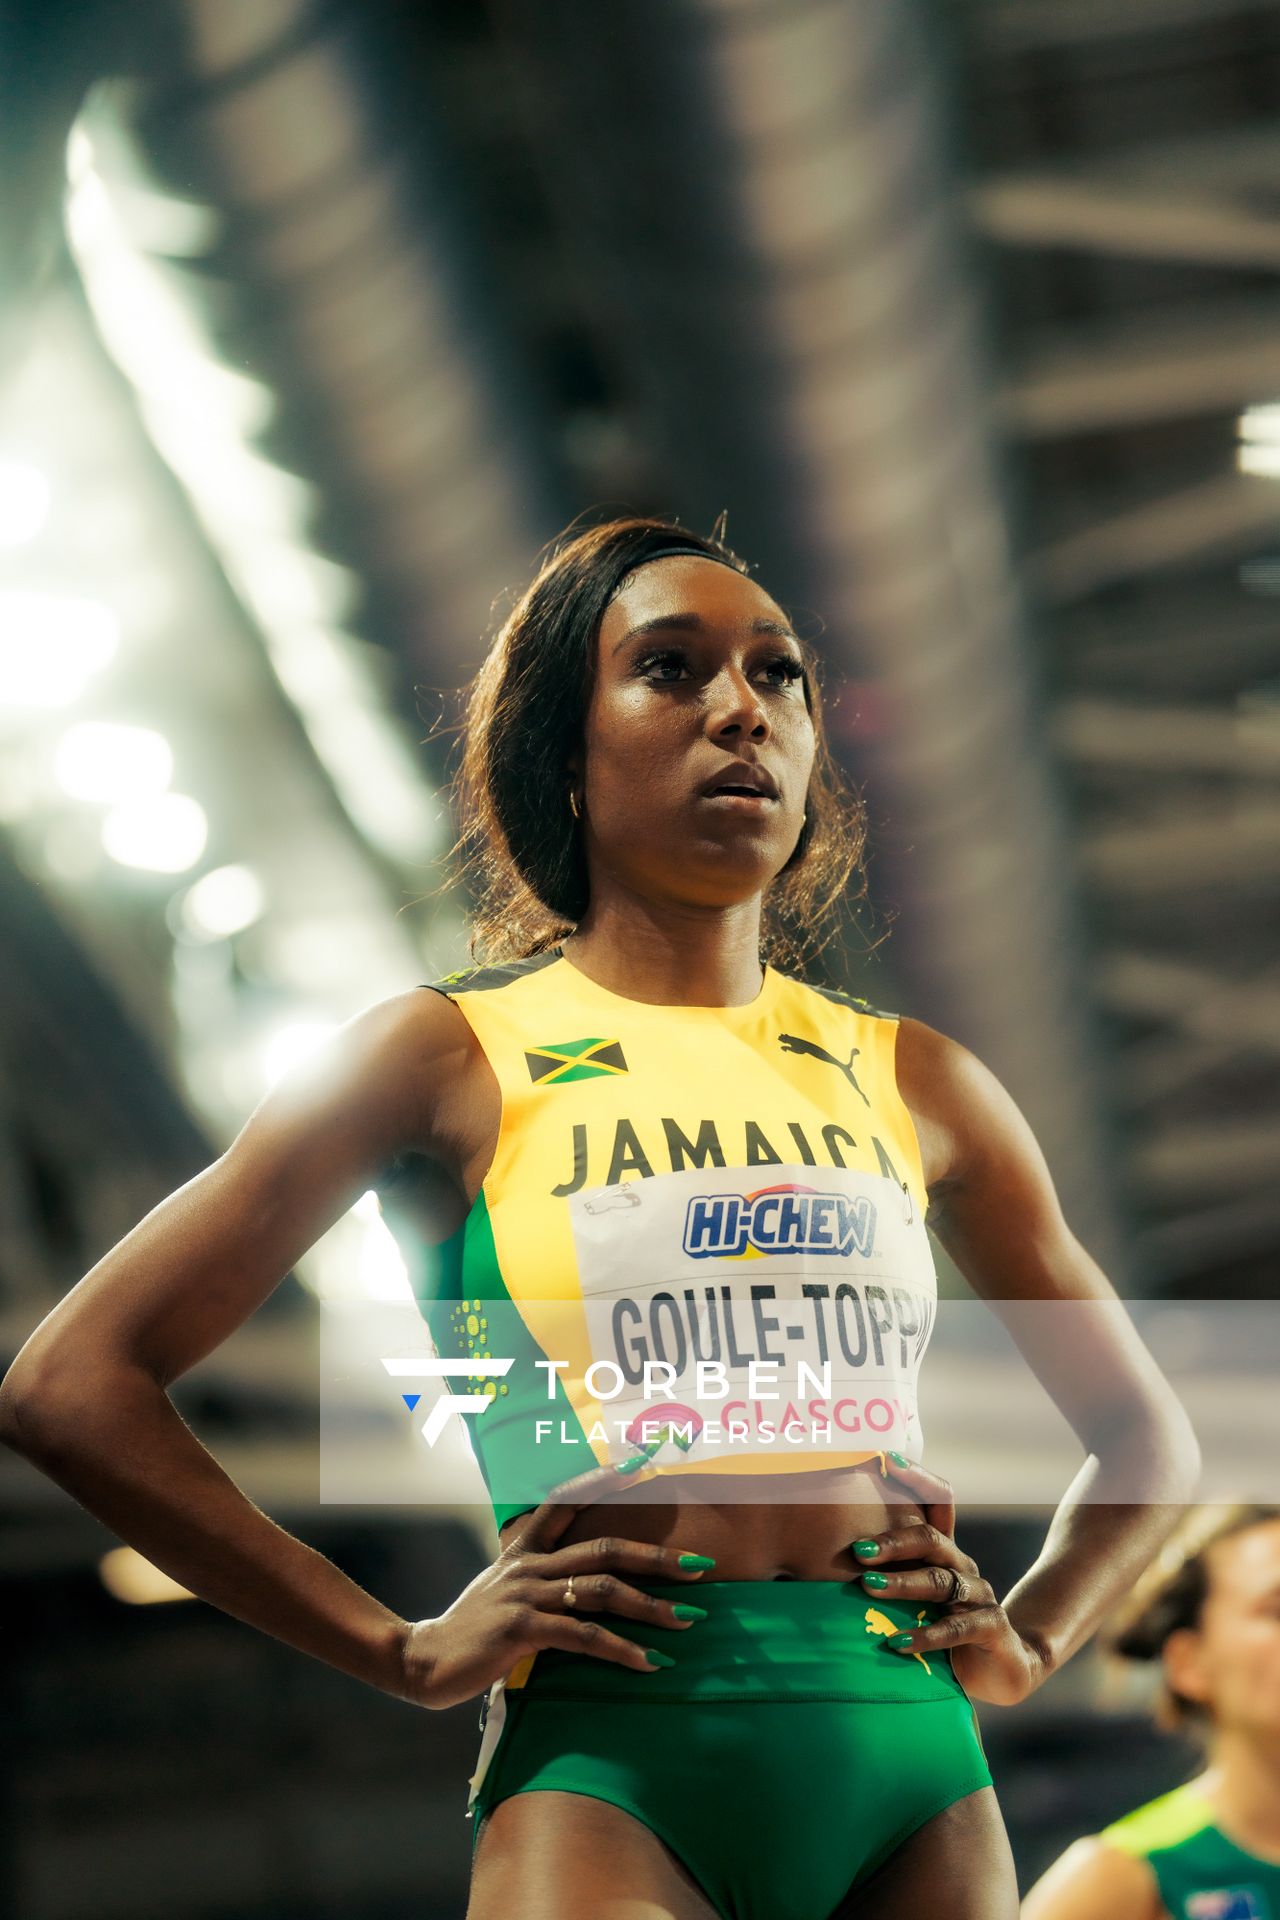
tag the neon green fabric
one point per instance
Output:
(1198, 1870)
(781, 1759)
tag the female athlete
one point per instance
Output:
(729, 1664)
(1209, 1610)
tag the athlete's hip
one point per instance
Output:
(763, 1640)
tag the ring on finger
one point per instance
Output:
(570, 1597)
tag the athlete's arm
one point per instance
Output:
(994, 1208)
(86, 1398)
(1092, 1881)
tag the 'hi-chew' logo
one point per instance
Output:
(788, 1219)
(552, 1065)
(448, 1403)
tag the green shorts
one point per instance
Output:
(781, 1759)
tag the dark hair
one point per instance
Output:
(520, 845)
(1171, 1594)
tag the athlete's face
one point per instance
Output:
(1232, 1662)
(720, 679)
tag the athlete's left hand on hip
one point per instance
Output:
(989, 1657)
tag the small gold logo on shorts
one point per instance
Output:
(878, 1622)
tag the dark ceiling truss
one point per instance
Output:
(1125, 163)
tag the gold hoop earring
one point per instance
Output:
(574, 808)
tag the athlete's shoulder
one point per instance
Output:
(384, 1078)
(1166, 1821)
(1093, 1881)
(492, 976)
(837, 996)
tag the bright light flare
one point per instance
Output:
(1259, 457)
(1258, 431)
(102, 760)
(381, 1270)
(164, 833)
(127, 1576)
(223, 902)
(301, 1041)
(51, 646)
(24, 502)
(1261, 425)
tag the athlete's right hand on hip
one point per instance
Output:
(539, 1594)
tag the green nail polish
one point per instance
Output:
(866, 1548)
(629, 1466)
(898, 1640)
(876, 1580)
(899, 1459)
(657, 1659)
(683, 1611)
(694, 1560)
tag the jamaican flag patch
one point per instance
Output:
(575, 1060)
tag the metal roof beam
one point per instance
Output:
(1170, 739)
(1201, 638)
(1099, 214)
(1209, 1007)
(1200, 362)
(1229, 846)
(1018, 25)
(1231, 514)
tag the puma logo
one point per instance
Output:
(794, 1043)
(878, 1622)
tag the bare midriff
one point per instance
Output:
(802, 1532)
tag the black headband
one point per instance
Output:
(698, 553)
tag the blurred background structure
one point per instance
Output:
(316, 323)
